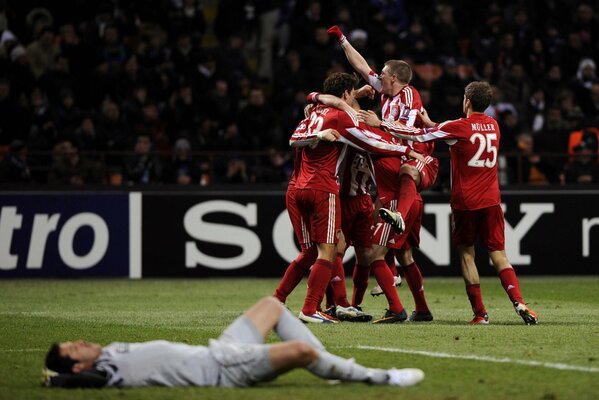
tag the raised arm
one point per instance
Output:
(355, 59)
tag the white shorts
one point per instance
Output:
(242, 355)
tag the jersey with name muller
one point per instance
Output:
(158, 363)
(473, 144)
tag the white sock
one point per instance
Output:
(330, 366)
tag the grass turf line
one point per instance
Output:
(34, 313)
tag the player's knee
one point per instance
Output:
(410, 171)
(303, 352)
(271, 303)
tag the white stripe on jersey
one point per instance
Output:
(353, 118)
(409, 96)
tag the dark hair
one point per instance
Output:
(479, 94)
(337, 83)
(401, 69)
(58, 363)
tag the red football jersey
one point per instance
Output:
(297, 162)
(473, 142)
(356, 173)
(402, 107)
(321, 163)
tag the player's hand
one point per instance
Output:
(328, 135)
(369, 117)
(416, 156)
(426, 119)
(365, 91)
(335, 32)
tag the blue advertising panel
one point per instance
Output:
(64, 234)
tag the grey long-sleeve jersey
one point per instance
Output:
(159, 363)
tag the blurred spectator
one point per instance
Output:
(13, 122)
(112, 130)
(256, 121)
(184, 170)
(153, 125)
(319, 53)
(219, 104)
(71, 168)
(87, 138)
(528, 166)
(13, 167)
(445, 31)
(67, 114)
(42, 52)
(290, 76)
(552, 139)
(583, 168)
(183, 113)
(237, 171)
(143, 167)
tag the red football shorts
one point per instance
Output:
(487, 224)
(321, 211)
(384, 235)
(428, 171)
(356, 222)
(299, 227)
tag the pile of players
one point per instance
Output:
(342, 150)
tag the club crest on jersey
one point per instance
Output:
(405, 114)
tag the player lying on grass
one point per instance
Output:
(238, 358)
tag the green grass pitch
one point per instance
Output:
(557, 359)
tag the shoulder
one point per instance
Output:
(411, 96)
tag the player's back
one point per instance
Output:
(319, 165)
(474, 162)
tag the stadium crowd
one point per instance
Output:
(194, 92)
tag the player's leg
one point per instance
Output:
(413, 276)
(511, 285)
(321, 211)
(337, 283)
(385, 279)
(301, 265)
(295, 272)
(472, 281)
(492, 236)
(298, 354)
(409, 181)
(361, 274)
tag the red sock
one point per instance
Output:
(338, 283)
(360, 279)
(414, 279)
(319, 278)
(407, 193)
(385, 280)
(390, 260)
(509, 281)
(476, 299)
(329, 297)
(295, 272)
